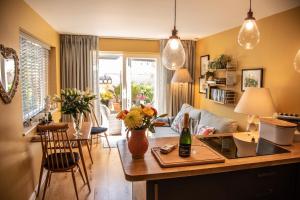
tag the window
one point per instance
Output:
(34, 58)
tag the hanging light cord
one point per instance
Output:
(250, 6)
(175, 16)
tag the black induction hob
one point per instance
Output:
(225, 146)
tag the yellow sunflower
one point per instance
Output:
(133, 119)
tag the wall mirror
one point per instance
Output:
(9, 73)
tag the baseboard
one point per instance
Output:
(33, 195)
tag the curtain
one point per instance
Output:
(176, 93)
(79, 66)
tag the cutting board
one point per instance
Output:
(200, 154)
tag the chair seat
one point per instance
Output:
(64, 161)
(97, 130)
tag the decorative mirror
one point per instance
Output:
(9, 73)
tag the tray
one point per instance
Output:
(200, 154)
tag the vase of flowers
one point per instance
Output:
(75, 103)
(137, 120)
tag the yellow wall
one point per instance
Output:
(20, 160)
(280, 40)
(129, 45)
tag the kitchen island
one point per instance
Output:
(262, 177)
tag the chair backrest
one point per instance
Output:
(105, 112)
(56, 146)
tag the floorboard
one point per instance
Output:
(106, 178)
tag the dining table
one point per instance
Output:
(85, 136)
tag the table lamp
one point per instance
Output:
(255, 102)
(181, 76)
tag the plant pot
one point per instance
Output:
(77, 123)
(138, 143)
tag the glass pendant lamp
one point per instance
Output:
(249, 35)
(173, 56)
(297, 61)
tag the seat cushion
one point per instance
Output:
(221, 124)
(97, 130)
(61, 160)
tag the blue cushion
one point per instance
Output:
(96, 130)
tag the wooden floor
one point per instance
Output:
(106, 178)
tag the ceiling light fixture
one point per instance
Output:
(173, 56)
(249, 35)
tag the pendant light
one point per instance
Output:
(249, 34)
(173, 56)
(297, 61)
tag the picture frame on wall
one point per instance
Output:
(204, 60)
(202, 85)
(252, 78)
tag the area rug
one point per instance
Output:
(112, 141)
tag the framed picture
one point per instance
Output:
(202, 85)
(204, 60)
(252, 78)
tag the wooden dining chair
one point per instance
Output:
(97, 130)
(58, 155)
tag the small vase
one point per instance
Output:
(138, 143)
(77, 123)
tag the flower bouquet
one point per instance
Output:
(137, 120)
(76, 103)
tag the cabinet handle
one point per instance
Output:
(266, 174)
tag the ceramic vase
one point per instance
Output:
(137, 143)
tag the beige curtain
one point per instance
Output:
(174, 92)
(77, 61)
(79, 66)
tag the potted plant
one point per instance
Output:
(106, 96)
(137, 120)
(219, 62)
(75, 103)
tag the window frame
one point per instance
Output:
(42, 59)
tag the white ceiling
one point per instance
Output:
(152, 18)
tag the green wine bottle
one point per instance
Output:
(185, 140)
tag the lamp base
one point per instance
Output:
(252, 123)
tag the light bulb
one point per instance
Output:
(249, 25)
(249, 35)
(174, 43)
(297, 61)
(173, 56)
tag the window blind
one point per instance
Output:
(33, 75)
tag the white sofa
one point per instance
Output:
(198, 116)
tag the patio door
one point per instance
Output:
(141, 81)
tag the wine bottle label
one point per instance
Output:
(184, 150)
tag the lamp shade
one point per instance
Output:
(173, 56)
(182, 75)
(256, 101)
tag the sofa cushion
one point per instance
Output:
(186, 108)
(221, 124)
(164, 131)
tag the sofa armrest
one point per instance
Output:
(167, 120)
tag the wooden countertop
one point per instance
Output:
(149, 169)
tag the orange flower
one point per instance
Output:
(154, 110)
(148, 111)
(121, 115)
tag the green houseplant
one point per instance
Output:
(75, 103)
(219, 62)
